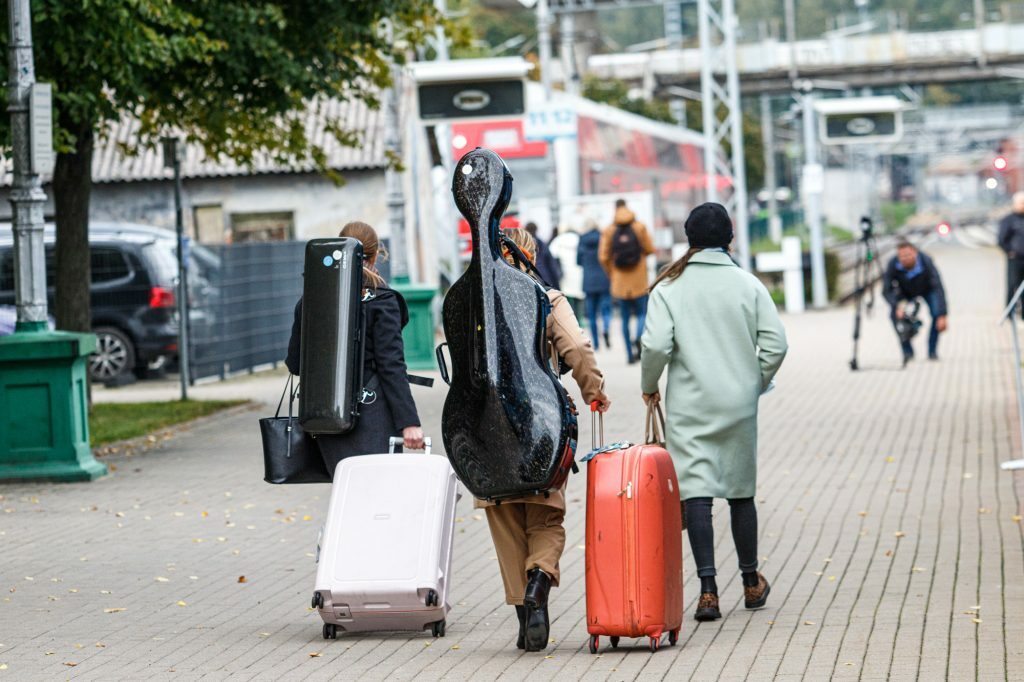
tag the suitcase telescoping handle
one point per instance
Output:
(596, 420)
(395, 441)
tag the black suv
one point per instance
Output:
(134, 277)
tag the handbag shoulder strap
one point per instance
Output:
(291, 392)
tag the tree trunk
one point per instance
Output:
(72, 185)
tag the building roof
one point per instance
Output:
(111, 164)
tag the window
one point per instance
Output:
(209, 224)
(108, 265)
(262, 227)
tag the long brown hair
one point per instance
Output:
(674, 270)
(524, 240)
(372, 248)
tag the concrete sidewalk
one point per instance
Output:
(892, 540)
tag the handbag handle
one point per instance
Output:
(654, 425)
(288, 384)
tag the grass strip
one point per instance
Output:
(111, 422)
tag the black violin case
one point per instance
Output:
(331, 372)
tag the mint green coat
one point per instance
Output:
(717, 330)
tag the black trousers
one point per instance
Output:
(702, 535)
(1014, 276)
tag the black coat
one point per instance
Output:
(1011, 235)
(595, 279)
(384, 373)
(898, 285)
(547, 265)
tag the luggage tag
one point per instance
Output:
(596, 418)
(621, 445)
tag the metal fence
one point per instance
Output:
(243, 300)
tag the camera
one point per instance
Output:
(909, 325)
(867, 228)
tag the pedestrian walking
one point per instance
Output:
(717, 331)
(547, 265)
(911, 274)
(528, 533)
(563, 247)
(1011, 241)
(625, 245)
(388, 407)
(596, 286)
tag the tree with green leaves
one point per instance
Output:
(234, 76)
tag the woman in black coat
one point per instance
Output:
(388, 408)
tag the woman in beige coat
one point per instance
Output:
(528, 533)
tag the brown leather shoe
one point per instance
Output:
(707, 607)
(755, 597)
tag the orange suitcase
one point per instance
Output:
(634, 545)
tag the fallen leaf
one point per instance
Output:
(70, 664)
(315, 654)
(79, 646)
(862, 513)
(101, 645)
(917, 569)
(179, 513)
(73, 590)
(832, 577)
(116, 609)
(808, 622)
(307, 517)
(241, 579)
(104, 591)
(549, 656)
(1015, 518)
(3, 666)
(771, 622)
(968, 475)
(204, 514)
(899, 534)
(455, 646)
(181, 603)
(977, 607)
(976, 620)
(888, 552)
(264, 634)
(890, 459)
(161, 579)
(193, 577)
(251, 527)
(119, 515)
(827, 559)
(984, 510)
(29, 578)
(819, 573)
(222, 539)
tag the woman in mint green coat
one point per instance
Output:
(717, 330)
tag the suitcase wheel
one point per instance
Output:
(655, 643)
(431, 598)
(673, 637)
(437, 628)
(318, 601)
(594, 639)
(330, 631)
(614, 641)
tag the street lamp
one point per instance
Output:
(172, 159)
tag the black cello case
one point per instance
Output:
(508, 425)
(331, 372)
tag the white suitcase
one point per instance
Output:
(385, 554)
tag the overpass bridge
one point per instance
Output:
(896, 58)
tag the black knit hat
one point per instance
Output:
(709, 225)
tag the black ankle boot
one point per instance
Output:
(521, 640)
(536, 602)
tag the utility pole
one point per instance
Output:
(717, 29)
(811, 188)
(768, 139)
(544, 48)
(393, 179)
(567, 29)
(674, 41)
(172, 160)
(44, 434)
(27, 196)
(790, 12)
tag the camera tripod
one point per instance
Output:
(866, 271)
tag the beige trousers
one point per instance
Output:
(526, 536)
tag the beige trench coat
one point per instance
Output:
(569, 341)
(627, 283)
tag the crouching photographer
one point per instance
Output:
(911, 275)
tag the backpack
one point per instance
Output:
(626, 252)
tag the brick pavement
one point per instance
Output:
(887, 530)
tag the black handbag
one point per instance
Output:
(290, 455)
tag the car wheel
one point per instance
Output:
(115, 354)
